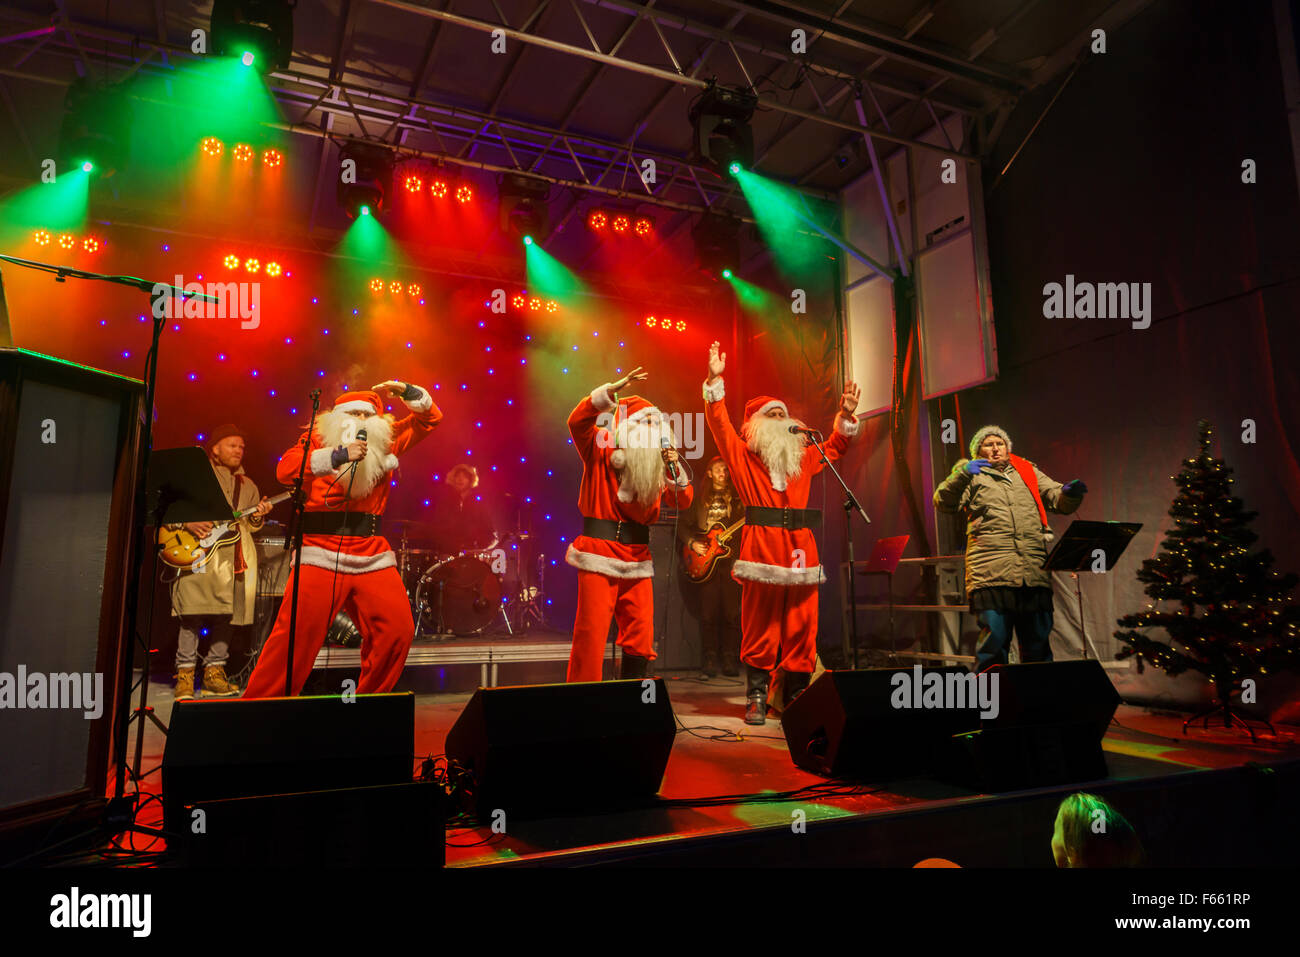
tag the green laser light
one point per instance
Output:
(734, 169)
(247, 58)
(528, 240)
(87, 166)
(365, 210)
(726, 274)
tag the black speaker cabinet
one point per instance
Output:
(846, 725)
(69, 458)
(539, 750)
(1052, 718)
(242, 748)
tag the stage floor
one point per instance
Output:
(715, 754)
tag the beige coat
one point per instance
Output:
(217, 590)
(1005, 545)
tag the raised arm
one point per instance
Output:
(424, 414)
(1057, 497)
(730, 446)
(846, 427)
(954, 491)
(585, 421)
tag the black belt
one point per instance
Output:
(351, 524)
(625, 533)
(787, 518)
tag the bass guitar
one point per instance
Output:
(180, 548)
(699, 568)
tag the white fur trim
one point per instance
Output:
(322, 461)
(768, 406)
(344, 563)
(778, 574)
(390, 461)
(846, 428)
(356, 405)
(422, 404)
(642, 414)
(600, 398)
(682, 480)
(611, 567)
(716, 392)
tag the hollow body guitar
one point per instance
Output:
(180, 548)
(700, 568)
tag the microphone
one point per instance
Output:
(672, 466)
(361, 437)
(800, 430)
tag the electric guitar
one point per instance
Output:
(698, 567)
(179, 548)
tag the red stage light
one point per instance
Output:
(413, 289)
(67, 241)
(681, 326)
(438, 188)
(620, 224)
(41, 237)
(552, 306)
(376, 285)
(597, 219)
(414, 184)
(464, 194)
(90, 244)
(252, 265)
(232, 261)
(517, 301)
(651, 321)
(644, 227)
(213, 146)
(243, 152)
(272, 158)
(273, 269)
(395, 287)
(534, 304)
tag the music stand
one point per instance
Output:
(1075, 551)
(883, 560)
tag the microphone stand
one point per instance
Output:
(299, 507)
(850, 505)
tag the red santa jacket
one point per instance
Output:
(598, 496)
(775, 556)
(349, 555)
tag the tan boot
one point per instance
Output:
(184, 685)
(215, 683)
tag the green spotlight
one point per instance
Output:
(365, 210)
(528, 240)
(247, 58)
(734, 169)
(726, 274)
(87, 166)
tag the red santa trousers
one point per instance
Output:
(778, 626)
(630, 601)
(375, 601)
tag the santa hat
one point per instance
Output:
(760, 405)
(359, 402)
(978, 439)
(632, 410)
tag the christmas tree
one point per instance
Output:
(1227, 612)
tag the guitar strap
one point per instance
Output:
(241, 565)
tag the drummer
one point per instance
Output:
(462, 522)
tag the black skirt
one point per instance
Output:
(1014, 601)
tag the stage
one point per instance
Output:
(1204, 799)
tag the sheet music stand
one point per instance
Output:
(1075, 552)
(883, 560)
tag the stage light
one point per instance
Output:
(644, 227)
(734, 169)
(413, 183)
(67, 241)
(681, 325)
(534, 304)
(371, 179)
(620, 224)
(212, 146)
(552, 306)
(717, 242)
(272, 158)
(96, 130)
(273, 269)
(528, 240)
(597, 220)
(231, 261)
(518, 302)
(257, 31)
(87, 166)
(90, 244)
(464, 194)
(413, 289)
(395, 287)
(651, 321)
(242, 152)
(438, 189)
(41, 237)
(721, 135)
(376, 285)
(523, 209)
(726, 274)
(252, 265)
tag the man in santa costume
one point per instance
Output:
(777, 567)
(346, 561)
(627, 457)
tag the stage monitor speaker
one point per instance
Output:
(1052, 718)
(394, 825)
(845, 725)
(535, 750)
(242, 748)
(69, 458)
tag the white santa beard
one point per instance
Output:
(642, 476)
(340, 428)
(778, 448)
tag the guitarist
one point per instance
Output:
(220, 594)
(716, 505)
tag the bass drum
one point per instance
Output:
(464, 593)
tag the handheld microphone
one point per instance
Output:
(672, 466)
(800, 430)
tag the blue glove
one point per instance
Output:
(1074, 488)
(976, 466)
(339, 456)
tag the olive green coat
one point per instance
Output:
(217, 590)
(1005, 543)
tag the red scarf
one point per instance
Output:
(1026, 470)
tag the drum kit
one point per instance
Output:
(473, 593)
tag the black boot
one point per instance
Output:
(756, 693)
(634, 666)
(793, 685)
